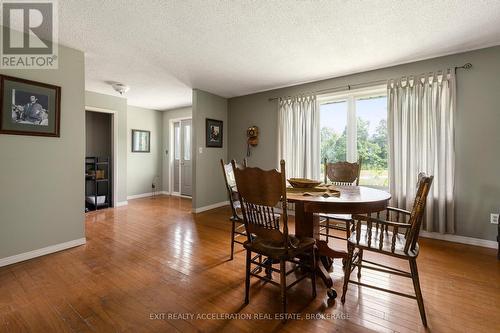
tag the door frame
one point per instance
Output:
(172, 156)
(114, 146)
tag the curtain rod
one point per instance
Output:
(466, 66)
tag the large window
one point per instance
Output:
(354, 126)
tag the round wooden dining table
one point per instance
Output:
(352, 200)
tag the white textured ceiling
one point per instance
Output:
(162, 49)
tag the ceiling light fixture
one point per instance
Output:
(120, 87)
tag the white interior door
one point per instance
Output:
(186, 157)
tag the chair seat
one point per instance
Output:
(297, 245)
(340, 217)
(386, 247)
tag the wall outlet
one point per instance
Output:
(494, 218)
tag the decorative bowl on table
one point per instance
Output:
(303, 182)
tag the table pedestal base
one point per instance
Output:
(307, 225)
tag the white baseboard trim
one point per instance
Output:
(145, 195)
(138, 196)
(460, 239)
(181, 195)
(41, 252)
(121, 203)
(210, 207)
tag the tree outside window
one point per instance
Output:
(367, 134)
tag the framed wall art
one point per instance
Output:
(214, 133)
(141, 141)
(29, 107)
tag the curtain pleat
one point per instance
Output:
(298, 136)
(421, 139)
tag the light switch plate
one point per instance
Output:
(494, 218)
(200, 150)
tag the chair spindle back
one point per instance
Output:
(259, 191)
(417, 212)
(227, 170)
(342, 173)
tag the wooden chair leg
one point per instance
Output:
(360, 261)
(347, 273)
(283, 284)
(313, 272)
(348, 228)
(327, 229)
(232, 237)
(268, 262)
(418, 292)
(247, 276)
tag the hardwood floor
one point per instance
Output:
(154, 257)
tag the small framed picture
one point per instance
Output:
(141, 141)
(29, 107)
(214, 133)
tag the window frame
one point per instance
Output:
(350, 96)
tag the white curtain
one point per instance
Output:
(298, 136)
(421, 138)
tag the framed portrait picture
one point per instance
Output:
(29, 107)
(141, 141)
(214, 133)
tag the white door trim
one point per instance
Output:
(114, 148)
(171, 157)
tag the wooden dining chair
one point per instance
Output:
(237, 225)
(259, 192)
(397, 239)
(341, 174)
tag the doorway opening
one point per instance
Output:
(181, 157)
(99, 160)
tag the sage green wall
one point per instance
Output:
(118, 104)
(167, 116)
(41, 178)
(477, 130)
(208, 181)
(143, 167)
